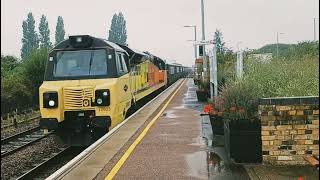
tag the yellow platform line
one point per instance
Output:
(119, 164)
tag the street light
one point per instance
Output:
(278, 44)
(195, 38)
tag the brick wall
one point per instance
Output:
(289, 129)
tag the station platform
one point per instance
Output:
(168, 139)
(177, 145)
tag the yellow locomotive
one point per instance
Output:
(91, 83)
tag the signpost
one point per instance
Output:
(213, 68)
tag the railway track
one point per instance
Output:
(20, 123)
(18, 141)
(50, 165)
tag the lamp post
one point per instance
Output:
(195, 39)
(278, 44)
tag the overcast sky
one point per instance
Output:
(157, 25)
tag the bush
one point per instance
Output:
(14, 92)
(226, 67)
(20, 81)
(34, 69)
(278, 78)
(8, 63)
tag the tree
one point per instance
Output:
(8, 63)
(60, 32)
(30, 38)
(118, 31)
(44, 33)
(218, 40)
(34, 70)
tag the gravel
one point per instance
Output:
(16, 164)
(21, 127)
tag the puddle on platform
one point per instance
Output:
(190, 100)
(196, 166)
(169, 114)
(179, 107)
(171, 124)
(197, 141)
(211, 162)
(166, 134)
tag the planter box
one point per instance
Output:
(243, 141)
(202, 96)
(217, 125)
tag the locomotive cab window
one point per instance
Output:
(79, 64)
(121, 65)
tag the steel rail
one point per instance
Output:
(32, 173)
(21, 145)
(7, 139)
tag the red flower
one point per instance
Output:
(208, 108)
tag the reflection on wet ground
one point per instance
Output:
(211, 162)
(218, 164)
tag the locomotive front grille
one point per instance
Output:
(77, 98)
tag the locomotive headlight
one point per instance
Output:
(50, 99)
(51, 103)
(99, 101)
(102, 97)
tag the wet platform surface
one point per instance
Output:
(180, 145)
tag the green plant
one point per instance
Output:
(20, 81)
(34, 69)
(298, 76)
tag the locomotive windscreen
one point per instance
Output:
(80, 63)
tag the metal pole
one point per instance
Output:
(241, 64)
(203, 34)
(195, 39)
(314, 29)
(277, 45)
(211, 59)
(215, 71)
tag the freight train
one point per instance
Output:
(91, 83)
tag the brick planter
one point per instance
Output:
(243, 140)
(289, 129)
